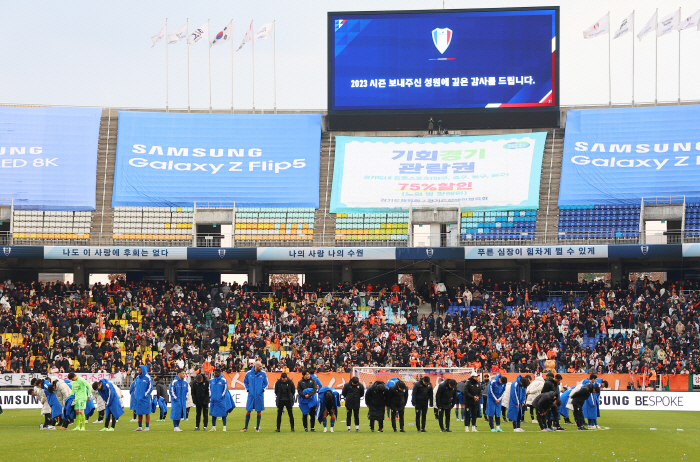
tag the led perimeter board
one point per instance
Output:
(485, 68)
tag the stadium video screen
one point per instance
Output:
(443, 60)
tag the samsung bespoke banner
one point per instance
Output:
(167, 159)
(618, 156)
(496, 172)
(48, 157)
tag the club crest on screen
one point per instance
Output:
(442, 39)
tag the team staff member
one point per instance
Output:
(375, 399)
(308, 401)
(284, 398)
(200, 398)
(552, 384)
(422, 398)
(577, 399)
(353, 391)
(397, 396)
(484, 395)
(543, 404)
(472, 392)
(445, 399)
(112, 406)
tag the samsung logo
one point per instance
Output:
(517, 145)
(583, 146)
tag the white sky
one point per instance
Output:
(90, 53)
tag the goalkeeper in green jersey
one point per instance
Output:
(81, 393)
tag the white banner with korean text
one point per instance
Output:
(535, 252)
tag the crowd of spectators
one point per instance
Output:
(115, 328)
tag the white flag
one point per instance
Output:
(264, 32)
(691, 21)
(198, 34)
(649, 26)
(625, 26)
(223, 36)
(178, 35)
(248, 36)
(600, 28)
(158, 37)
(669, 23)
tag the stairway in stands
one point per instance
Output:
(324, 221)
(102, 217)
(548, 213)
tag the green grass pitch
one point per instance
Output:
(628, 438)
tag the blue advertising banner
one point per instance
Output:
(493, 172)
(48, 157)
(618, 156)
(443, 59)
(221, 253)
(167, 159)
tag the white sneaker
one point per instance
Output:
(518, 430)
(98, 421)
(213, 429)
(535, 422)
(325, 429)
(332, 430)
(138, 429)
(177, 429)
(466, 428)
(50, 427)
(133, 420)
(223, 429)
(474, 430)
(147, 429)
(41, 426)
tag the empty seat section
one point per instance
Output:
(155, 224)
(389, 227)
(36, 225)
(613, 222)
(513, 225)
(274, 224)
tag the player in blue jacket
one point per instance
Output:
(220, 400)
(178, 399)
(496, 390)
(516, 403)
(563, 410)
(113, 407)
(328, 402)
(255, 383)
(140, 391)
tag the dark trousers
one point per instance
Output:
(280, 409)
(305, 418)
(110, 417)
(483, 407)
(554, 419)
(202, 410)
(380, 421)
(393, 418)
(578, 412)
(100, 416)
(350, 413)
(471, 412)
(444, 414)
(421, 413)
(542, 420)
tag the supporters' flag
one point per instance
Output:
(599, 28)
(691, 21)
(248, 36)
(669, 23)
(624, 27)
(159, 36)
(178, 34)
(649, 26)
(198, 34)
(224, 35)
(264, 32)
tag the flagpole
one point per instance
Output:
(252, 39)
(274, 65)
(609, 66)
(231, 39)
(209, 43)
(633, 22)
(167, 88)
(188, 65)
(680, 18)
(656, 59)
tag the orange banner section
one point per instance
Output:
(337, 380)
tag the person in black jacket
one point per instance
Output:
(484, 392)
(397, 397)
(352, 393)
(577, 399)
(422, 398)
(284, 398)
(472, 393)
(445, 399)
(543, 406)
(200, 398)
(552, 384)
(308, 382)
(161, 392)
(375, 399)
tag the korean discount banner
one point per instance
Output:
(497, 172)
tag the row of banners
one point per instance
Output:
(48, 161)
(534, 252)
